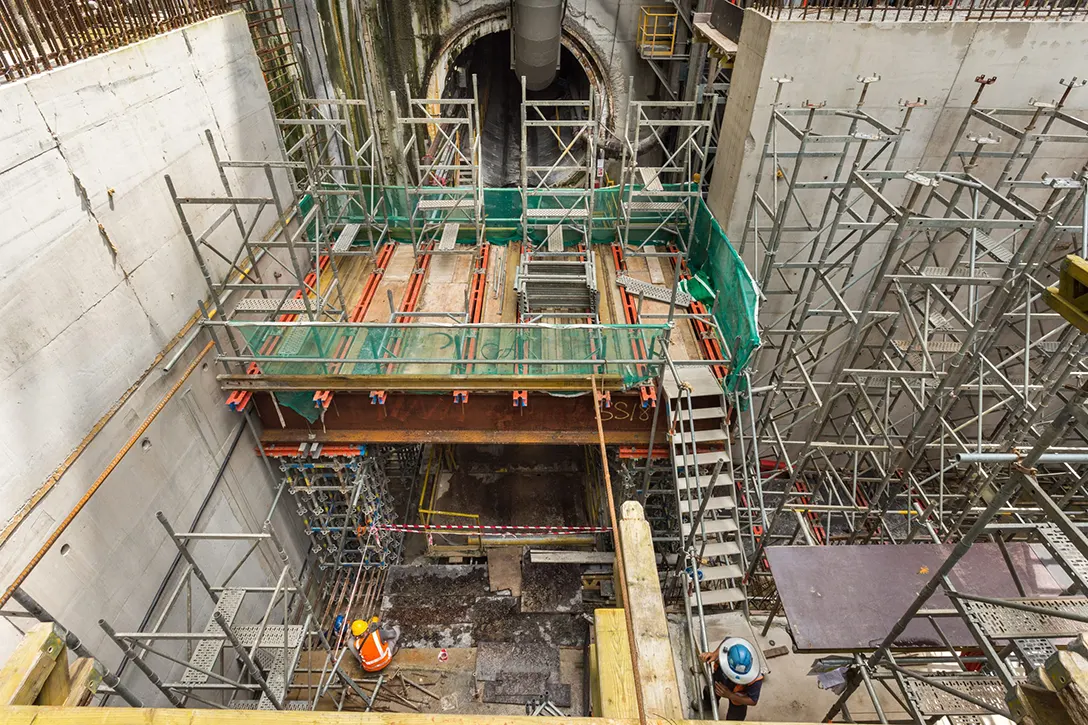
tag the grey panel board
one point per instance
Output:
(500, 660)
(520, 689)
(847, 598)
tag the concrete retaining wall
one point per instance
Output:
(96, 278)
(936, 61)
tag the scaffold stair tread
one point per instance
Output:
(933, 701)
(704, 414)
(658, 206)
(448, 241)
(555, 238)
(272, 637)
(345, 238)
(723, 571)
(710, 526)
(720, 548)
(716, 503)
(253, 705)
(960, 270)
(684, 484)
(207, 651)
(429, 204)
(997, 622)
(714, 597)
(699, 436)
(701, 379)
(1000, 251)
(562, 213)
(649, 178)
(935, 346)
(270, 304)
(652, 291)
(1074, 562)
(702, 459)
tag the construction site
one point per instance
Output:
(551, 347)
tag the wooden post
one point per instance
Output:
(84, 678)
(55, 689)
(29, 666)
(656, 673)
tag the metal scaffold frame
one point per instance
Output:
(343, 499)
(295, 260)
(1015, 636)
(679, 144)
(559, 196)
(266, 653)
(914, 348)
(437, 142)
(345, 174)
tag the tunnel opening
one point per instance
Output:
(499, 88)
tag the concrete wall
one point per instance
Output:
(96, 278)
(935, 61)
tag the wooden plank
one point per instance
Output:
(1068, 672)
(594, 682)
(27, 669)
(151, 716)
(657, 674)
(84, 678)
(543, 556)
(616, 677)
(55, 689)
(1037, 699)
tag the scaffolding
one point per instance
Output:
(231, 663)
(557, 197)
(663, 179)
(909, 357)
(438, 147)
(1015, 636)
(230, 248)
(342, 497)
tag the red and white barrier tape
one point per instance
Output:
(498, 529)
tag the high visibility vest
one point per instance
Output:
(374, 652)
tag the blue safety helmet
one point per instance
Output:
(738, 661)
(338, 624)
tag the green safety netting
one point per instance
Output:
(533, 351)
(495, 351)
(736, 302)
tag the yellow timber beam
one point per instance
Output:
(149, 716)
(1070, 298)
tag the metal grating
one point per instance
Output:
(292, 341)
(1034, 652)
(207, 651)
(1070, 558)
(653, 291)
(1004, 623)
(346, 238)
(268, 304)
(272, 637)
(253, 705)
(449, 237)
(555, 238)
(932, 701)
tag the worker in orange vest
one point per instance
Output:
(374, 643)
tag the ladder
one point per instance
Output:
(699, 448)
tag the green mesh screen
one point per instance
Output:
(530, 351)
(736, 304)
(455, 350)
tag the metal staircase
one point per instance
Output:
(703, 477)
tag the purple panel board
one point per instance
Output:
(847, 598)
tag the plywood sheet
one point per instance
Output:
(847, 598)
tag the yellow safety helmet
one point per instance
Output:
(375, 620)
(358, 627)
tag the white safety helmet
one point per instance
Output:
(738, 661)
